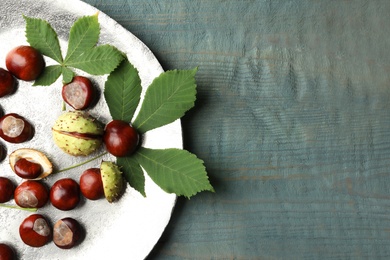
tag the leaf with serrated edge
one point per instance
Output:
(122, 91)
(48, 76)
(133, 173)
(99, 60)
(67, 75)
(83, 35)
(42, 37)
(174, 170)
(167, 98)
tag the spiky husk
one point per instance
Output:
(77, 133)
(76, 146)
(113, 181)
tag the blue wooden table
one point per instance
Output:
(292, 121)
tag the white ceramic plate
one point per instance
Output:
(128, 229)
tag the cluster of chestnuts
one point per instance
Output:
(36, 231)
(65, 195)
(26, 63)
(76, 133)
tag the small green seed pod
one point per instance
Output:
(113, 181)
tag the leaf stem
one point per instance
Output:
(82, 163)
(17, 207)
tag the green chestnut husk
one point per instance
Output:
(78, 133)
(113, 181)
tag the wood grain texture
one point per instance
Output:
(292, 121)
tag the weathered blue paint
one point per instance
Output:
(292, 121)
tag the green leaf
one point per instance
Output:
(83, 35)
(42, 36)
(168, 97)
(99, 60)
(67, 75)
(48, 76)
(122, 91)
(133, 173)
(175, 170)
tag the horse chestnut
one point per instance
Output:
(35, 231)
(67, 233)
(79, 93)
(6, 189)
(78, 133)
(15, 128)
(25, 62)
(27, 169)
(65, 194)
(7, 82)
(120, 138)
(30, 164)
(7, 252)
(91, 184)
(31, 194)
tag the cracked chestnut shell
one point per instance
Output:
(107, 181)
(30, 164)
(15, 128)
(77, 133)
(35, 230)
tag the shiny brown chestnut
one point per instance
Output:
(79, 93)
(91, 184)
(35, 231)
(31, 194)
(7, 252)
(15, 128)
(25, 62)
(120, 138)
(65, 194)
(7, 82)
(6, 189)
(27, 169)
(67, 233)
